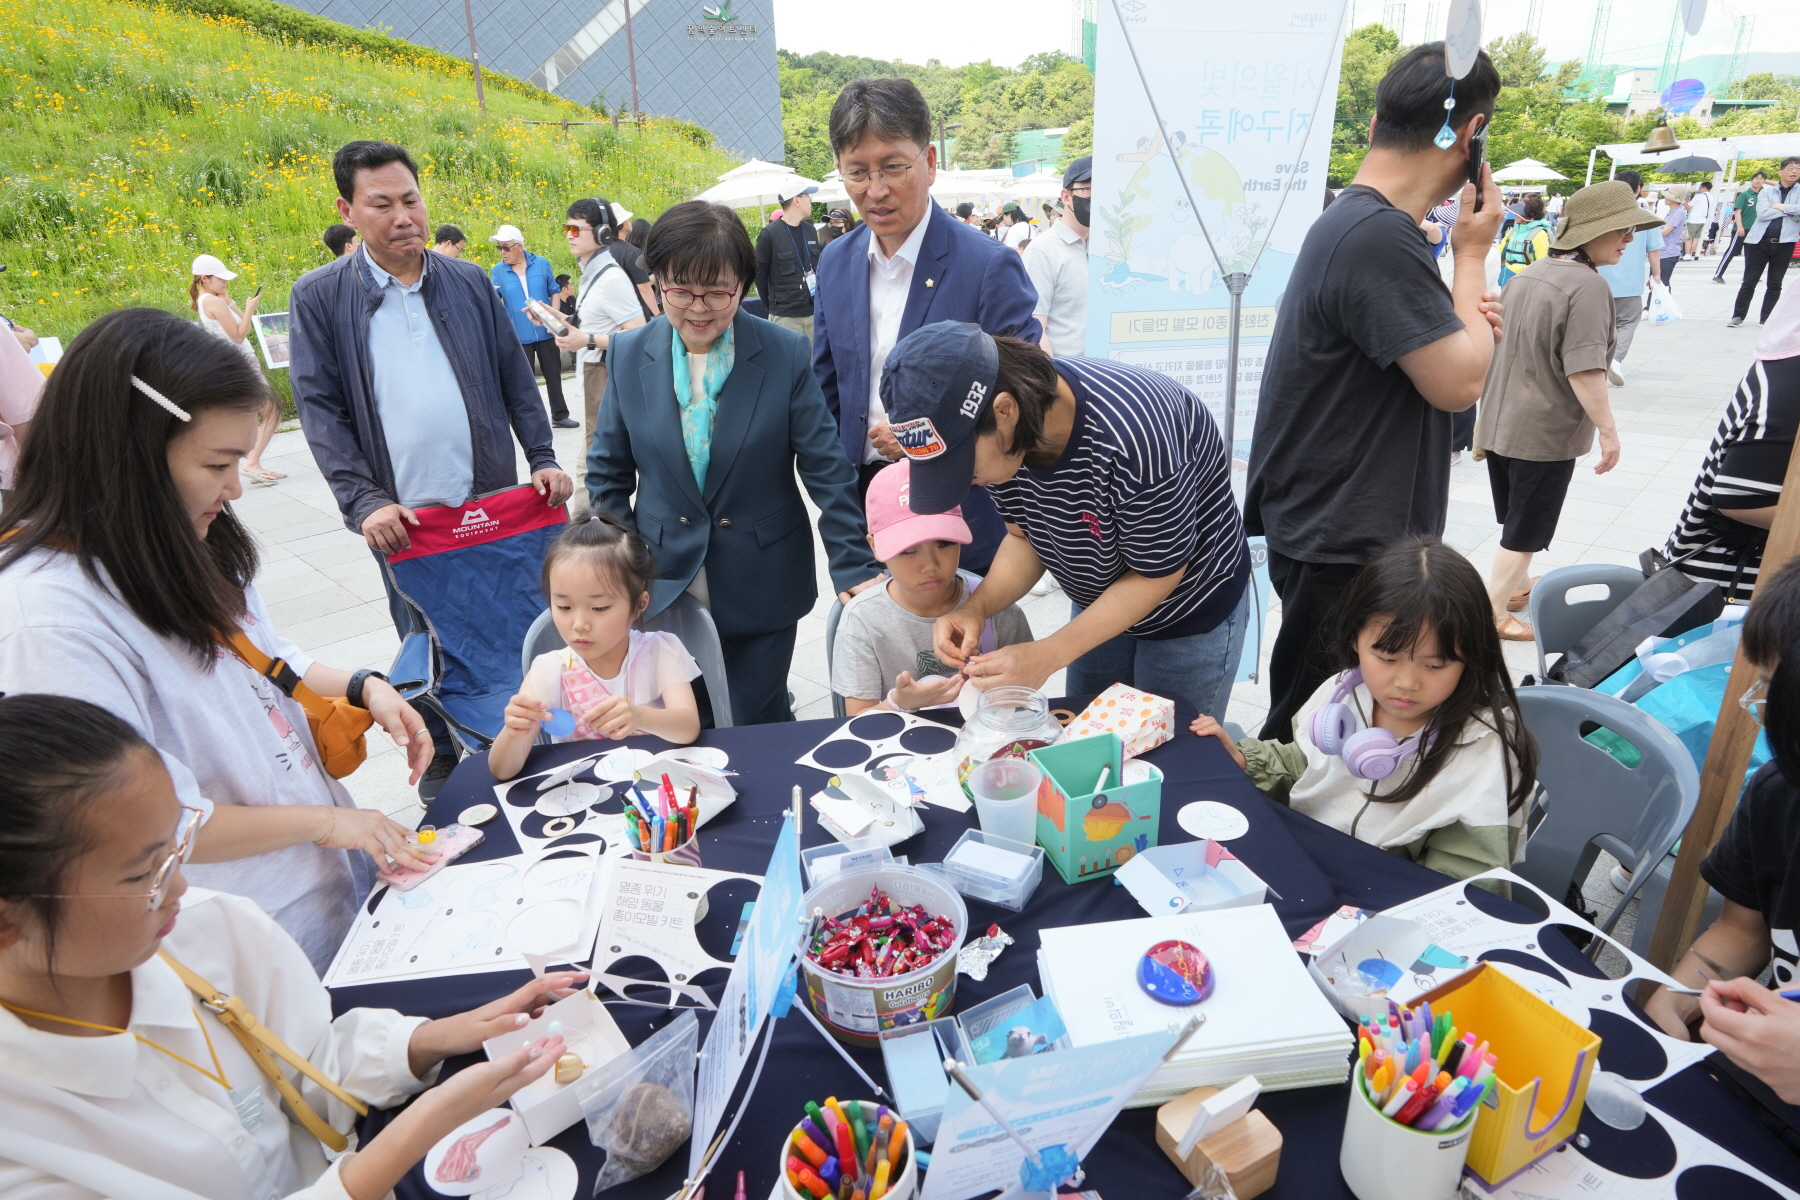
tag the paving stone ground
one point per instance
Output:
(324, 589)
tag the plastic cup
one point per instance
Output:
(1005, 791)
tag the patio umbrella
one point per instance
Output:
(1041, 185)
(1526, 170)
(759, 189)
(1689, 163)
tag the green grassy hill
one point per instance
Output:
(133, 138)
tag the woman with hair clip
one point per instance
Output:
(1418, 746)
(131, 1006)
(1755, 867)
(123, 575)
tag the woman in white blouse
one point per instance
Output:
(124, 565)
(115, 1080)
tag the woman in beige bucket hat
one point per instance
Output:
(1545, 396)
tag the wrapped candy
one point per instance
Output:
(975, 957)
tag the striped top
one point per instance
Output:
(1143, 485)
(1744, 468)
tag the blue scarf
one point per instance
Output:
(697, 412)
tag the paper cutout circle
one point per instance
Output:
(546, 1173)
(1646, 1152)
(841, 753)
(1175, 973)
(537, 825)
(1709, 1181)
(620, 765)
(1138, 771)
(485, 1152)
(560, 723)
(1627, 1048)
(1211, 819)
(876, 727)
(1537, 908)
(477, 814)
(928, 739)
(1462, 37)
(570, 799)
(703, 756)
(1614, 1101)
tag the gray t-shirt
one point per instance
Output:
(877, 639)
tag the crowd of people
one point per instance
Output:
(924, 383)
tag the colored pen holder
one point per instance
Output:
(683, 854)
(904, 1186)
(1382, 1159)
(1544, 1063)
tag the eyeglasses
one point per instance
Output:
(159, 882)
(680, 297)
(1085, 191)
(509, 247)
(893, 174)
(575, 230)
(1755, 700)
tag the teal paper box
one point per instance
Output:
(1087, 833)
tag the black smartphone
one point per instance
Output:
(258, 290)
(1477, 153)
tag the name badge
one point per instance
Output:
(812, 283)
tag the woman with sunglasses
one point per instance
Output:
(122, 1070)
(121, 571)
(708, 413)
(605, 303)
(1755, 867)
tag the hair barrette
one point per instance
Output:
(175, 410)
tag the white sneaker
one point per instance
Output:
(1620, 878)
(1615, 374)
(1045, 585)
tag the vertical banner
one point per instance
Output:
(1247, 94)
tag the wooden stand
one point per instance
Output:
(1248, 1151)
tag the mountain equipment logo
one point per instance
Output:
(475, 522)
(919, 438)
(475, 516)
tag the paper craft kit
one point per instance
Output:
(856, 809)
(1141, 721)
(1091, 823)
(907, 756)
(473, 917)
(1364, 969)
(1190, 877)
(582, 800)
(650, 910)
(1263, 1018)
(589, 1032)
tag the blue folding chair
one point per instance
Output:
(470, 583)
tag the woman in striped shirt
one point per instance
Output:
(1726, 520)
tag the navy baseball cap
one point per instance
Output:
(934, 386)
(1082, 168)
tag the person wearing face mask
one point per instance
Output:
(1058, 265)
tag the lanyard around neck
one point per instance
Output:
(217, 1074)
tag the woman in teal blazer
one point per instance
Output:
(707, 416)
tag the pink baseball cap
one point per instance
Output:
(896, 527)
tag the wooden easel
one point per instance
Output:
(1727, 758)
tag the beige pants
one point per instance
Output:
(801, 325)
(593, 386)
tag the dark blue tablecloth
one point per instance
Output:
(1315, 869)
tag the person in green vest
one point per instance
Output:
(1528, 242)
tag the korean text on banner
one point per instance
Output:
(1247, 94)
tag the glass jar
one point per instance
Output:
(1007, 720)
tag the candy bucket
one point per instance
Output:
(857, 1010)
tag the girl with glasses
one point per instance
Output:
(124, 1070)
(1755, 868)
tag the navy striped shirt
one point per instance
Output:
(1143, 485)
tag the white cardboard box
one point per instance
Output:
(546, 1106)
(1179, 879)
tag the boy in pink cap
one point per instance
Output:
(882, 657)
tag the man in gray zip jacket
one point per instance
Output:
(408, 377)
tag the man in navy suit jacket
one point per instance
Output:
(908, 264)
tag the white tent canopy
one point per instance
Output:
(760, 188)
(1526, 170)
(984, 189)
(1720, 149)
(1040, 185)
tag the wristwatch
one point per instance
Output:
(354, 692)
(591, 345)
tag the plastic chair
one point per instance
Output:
(831, 624)
(1593, 801)
(687, 619)
(1556, 624)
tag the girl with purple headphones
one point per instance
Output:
(1418, 746)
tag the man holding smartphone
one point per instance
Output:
(1372, 355)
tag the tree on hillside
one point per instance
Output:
(1368, 53)
(1767, 86)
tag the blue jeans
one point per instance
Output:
(1198, 669)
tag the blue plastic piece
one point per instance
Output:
(1058, 1163)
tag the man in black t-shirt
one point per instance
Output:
(787, 258)
(1371, 356)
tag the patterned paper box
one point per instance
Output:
(1141, 720)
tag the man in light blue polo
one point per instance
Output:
(520, 276)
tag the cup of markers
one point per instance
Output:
(849, 1150)
(662, 824)
(1414, 1097)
